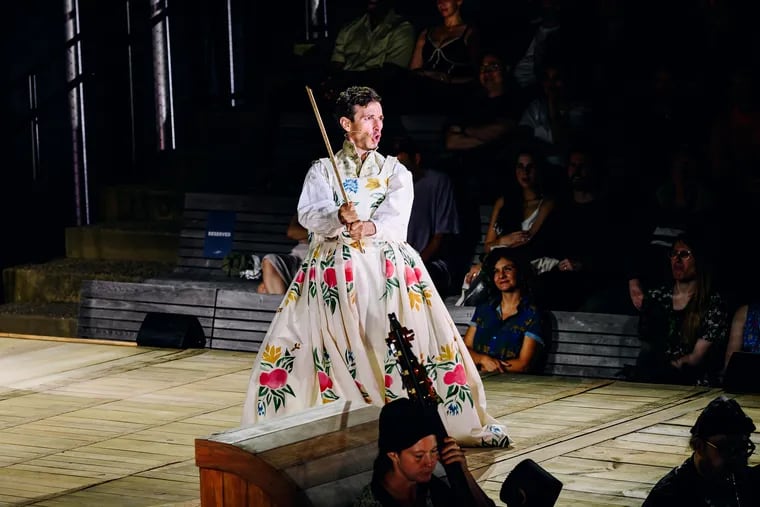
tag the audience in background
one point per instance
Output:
(481, 137)
(373, 50)
(587, 232)
(506, 332)
(554, 118)
(683, 325)
(445, 59)
(682, 203)
(277, 270)
(545, 41)
(434, 222)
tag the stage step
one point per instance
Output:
(39, 319)
(58, 281)
(135, 241)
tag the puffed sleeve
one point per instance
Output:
(392, 216)
(317, 210)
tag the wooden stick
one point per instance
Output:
(327, 143)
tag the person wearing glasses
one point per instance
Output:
(683, 325)
(718, 472)
(478, 139)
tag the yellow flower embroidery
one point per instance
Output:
(272, 353)
(447, 353)
(372, 184)
(291, 297)
(415, 300)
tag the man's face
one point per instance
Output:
(416, 463)
(491, 71)
(366, 127)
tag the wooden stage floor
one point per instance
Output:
(88, 424)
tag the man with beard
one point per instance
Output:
(717, 473)
(588, 231)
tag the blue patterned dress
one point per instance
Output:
(503, 339)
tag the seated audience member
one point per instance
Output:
(434, 223)
(682, 203)
(373, 49)
(408, 453)
(555, 116)
(520, 221)
(718, 471)
(505, 333)
(744, 335)
(545, 41)
(479, 138)
(277, 270)
(445, 58)
(683, 325)
(587, 234)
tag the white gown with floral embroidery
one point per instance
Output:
(328, 339)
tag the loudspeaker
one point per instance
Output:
(529, 485)
(171, 330)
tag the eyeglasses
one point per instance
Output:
(729, 447)
(681, 254)
(490, 67)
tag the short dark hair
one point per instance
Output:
(354, 96)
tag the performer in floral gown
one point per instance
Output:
(327, 340)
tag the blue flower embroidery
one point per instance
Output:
(351, 185)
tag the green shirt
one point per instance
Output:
(359, 47)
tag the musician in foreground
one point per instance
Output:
(327, 339)
(403, 472)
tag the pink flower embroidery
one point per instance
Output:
(312, 273)
(274, 379)
(389, 269)
(418, 273)
(325, 382)
(388, 381)
(349, 271)
(410, 276)
(455, 376)
(299, 277)
(329, 277)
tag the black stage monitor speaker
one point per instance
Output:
(529, 485)
(171, 330)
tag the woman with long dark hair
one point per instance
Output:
(684, 325)
(505, 333)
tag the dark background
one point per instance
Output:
(615, 45)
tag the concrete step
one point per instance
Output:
(58, 281)
(39, 319)
(135, 241)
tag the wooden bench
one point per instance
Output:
(320, 457)
(591, 345)
(232, 318)
(260, 226)
(579, 344)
